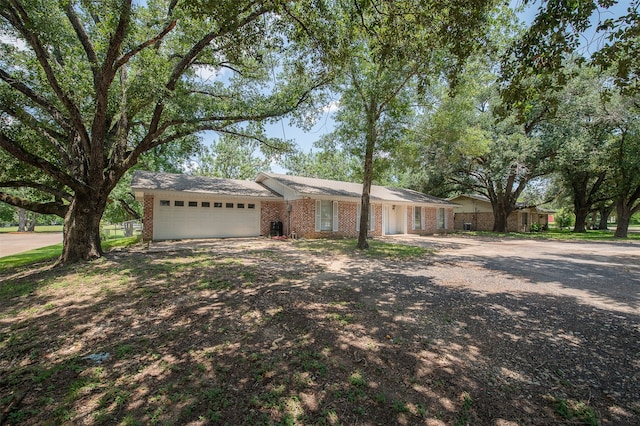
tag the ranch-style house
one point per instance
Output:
(178, 206)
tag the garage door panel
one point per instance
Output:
(171, 222)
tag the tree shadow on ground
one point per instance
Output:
(275, 336)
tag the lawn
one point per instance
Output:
(39, 228)
(563, 234)
(44, 254)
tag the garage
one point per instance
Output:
(200, 207)
(205, 218)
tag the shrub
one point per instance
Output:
(564, 219)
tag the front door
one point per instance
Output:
(394, 219)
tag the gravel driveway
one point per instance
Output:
(605, 275)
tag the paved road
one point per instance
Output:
(12, 243)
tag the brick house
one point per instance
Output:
(474, 213)
(183, 206)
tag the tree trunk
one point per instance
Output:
(22, 220)
(499, 220)
(624, 211)
(363, 244)
(81, 235)
(500, 213)
(605, 212)
(581, 219)
(32, 223)
(624, 217)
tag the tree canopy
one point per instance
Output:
(86, 89)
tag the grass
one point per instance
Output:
(558, 234)
(377, 249)
(39, 228)
(41, 254)
(576, 410)
(44, 254)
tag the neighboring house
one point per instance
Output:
(474, 213)
(183, 206)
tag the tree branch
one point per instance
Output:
(38, 186)
(128, 208)
(55, 207)
(49, 135)
(56, 114)
(23, 155)
(84, 39)
(18, 18)
(127, 56)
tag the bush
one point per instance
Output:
(564, 219)
(536, 227)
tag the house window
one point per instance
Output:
(525, 218)
(251, 206)
(217, 205)
(326, 215)
(229, 205)
(178, 203)
(205, 204)
(417, 218)
(165, 203)
(193, 204)
(372, 218)
(441, 219)
(241, 205)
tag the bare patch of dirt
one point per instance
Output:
(265, 332)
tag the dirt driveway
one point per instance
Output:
(486, 331)
(538, 332)
(12, 243)
(600, 274)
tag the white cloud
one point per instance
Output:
(332, 106)
(9, 39)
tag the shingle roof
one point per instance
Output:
(334, 188)
(143, 180)
(519, 205)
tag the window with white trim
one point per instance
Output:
(417, 218)
(442, 222)
(326, 215)
(164, 203)
(372, 218)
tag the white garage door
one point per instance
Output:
(205, 218)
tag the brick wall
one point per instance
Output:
(303, 219)
(514, 223)
(347, 219)
(478, 221)
(272, 211)
(485, 221)
(450, 219)
(147, 221)
(430, 219)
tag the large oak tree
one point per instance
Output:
(87, 88)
